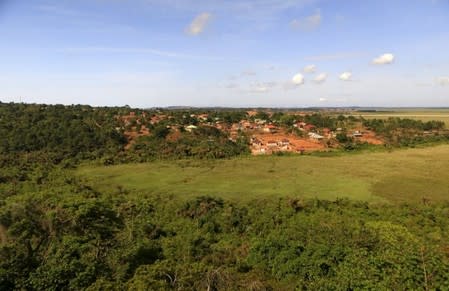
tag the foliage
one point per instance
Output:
(60, 230)
(137, 242)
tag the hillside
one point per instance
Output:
(126, 199)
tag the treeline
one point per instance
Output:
(57, 134)
(385, 126)
(87, 240)
(67, 130)
(408, 132)
(204, 142)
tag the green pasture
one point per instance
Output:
(419, 114)
(398, 176)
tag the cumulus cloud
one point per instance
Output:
(199, 24)
(320, 78)
(443, 81)
(307, 23)
(298, 79)
(309, 69)
(384, 59)
(345, 76)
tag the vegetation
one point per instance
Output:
(203, 142)
(398, 176)
(183, 220)
(84, 239)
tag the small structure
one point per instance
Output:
(203, 117)
(299, 125)
(247, 125)
(315, 136)
(309, 127)
(256, 142)
(284, 143)
(190, 128)
(270, 128)
(260, 121)
(272, 144)
(357, 134)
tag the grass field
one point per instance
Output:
(398, 176)
(420, 114)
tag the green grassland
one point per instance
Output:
(418, 114)
(398, 176)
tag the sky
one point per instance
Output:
(238, 53)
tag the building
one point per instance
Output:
(284, 143)
(190, 128)
(272, 144)
(270, 128)
(357, 134)
(309, 127)
(315, 136)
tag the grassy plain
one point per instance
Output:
(419, 114)
(399, 176)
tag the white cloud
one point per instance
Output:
(384, 59)
(309, 69)
(443, 81)
(199, 24)
(345, 76)
(298, 79)
(323, 99)
(320, 78)
(307, 23)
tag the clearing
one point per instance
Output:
(419, 114)
(407, 175)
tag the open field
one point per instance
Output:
(398, 176)
(420, 114)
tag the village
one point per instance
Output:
(265, 135)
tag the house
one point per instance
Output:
(272, 144)
(357, 134)
(256, 142)
(309, 127)
(284, 143)
(190, 128)
(315, 136)
(203, 117)
(260, 121)
(299, 125)
(270, 128)
(236, 127)
(326, 131)
(247, 125)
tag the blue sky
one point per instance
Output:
(282, 53)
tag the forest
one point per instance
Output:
(59, 231)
